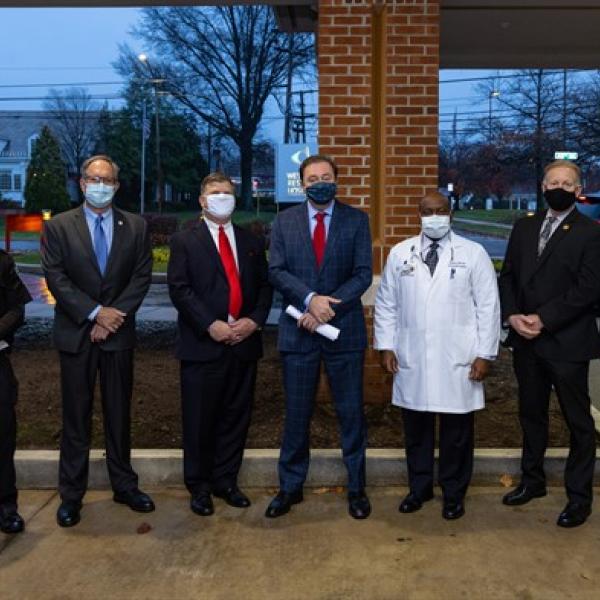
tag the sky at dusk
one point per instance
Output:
(43, 48)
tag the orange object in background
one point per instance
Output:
(14, 223)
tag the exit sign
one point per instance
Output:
(564, 155)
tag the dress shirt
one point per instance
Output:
(312, 223)
(107, 226)
(559, 218)
(213, 228)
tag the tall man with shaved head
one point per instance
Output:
(437, 325)
(549, 287)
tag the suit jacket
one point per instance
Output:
(13, 297)
(73, 276)
(199, 291)
(562, 286)
(345, 273)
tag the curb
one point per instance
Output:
(38, 469)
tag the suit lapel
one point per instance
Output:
(117, 240)
(83, 231)
(204, 236)
(561, 232)
(333, 233)
(304, 229)
(241, 248)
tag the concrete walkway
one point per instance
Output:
(315, 552)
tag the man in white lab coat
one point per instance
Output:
(437, 324)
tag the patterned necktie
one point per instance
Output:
(233, 278)
(100, 246)
(545, 234)
(431, 260)
(319, 238)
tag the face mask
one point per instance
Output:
(435, 226)
(559, 199)
(220, 205)
(99, 195)
(321, 193)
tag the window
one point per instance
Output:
(32, 142)
(5, 181)
(17, 182)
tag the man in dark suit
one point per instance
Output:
(98, 265)
(219, 284)
(320, 261)
(13, 297)
(549, 285)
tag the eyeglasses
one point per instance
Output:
(104, 180)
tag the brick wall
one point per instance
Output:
(378, 117)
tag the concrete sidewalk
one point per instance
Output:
(315, 552)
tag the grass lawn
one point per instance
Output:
(497, 215)
(497, 232)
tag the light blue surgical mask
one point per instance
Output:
(99, 195)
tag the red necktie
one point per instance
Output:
(319, 238)
(228, 260)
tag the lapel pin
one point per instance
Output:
(566, 227)
(120, 222)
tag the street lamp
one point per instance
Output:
(493, 94)
(143, 58)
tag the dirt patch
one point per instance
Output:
(156, 415)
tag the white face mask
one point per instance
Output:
(99, 195)
(435, 226)
(220, 205)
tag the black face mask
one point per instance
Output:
(559, 199)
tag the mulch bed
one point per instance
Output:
(156, 416)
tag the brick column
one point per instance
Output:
(378, 118)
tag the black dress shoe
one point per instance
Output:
(202, 504)
(69, 513)
(359, 506)
(234, 497)
(522, 494)
(135, 499)
(412, 502)
(281, 504)
(453, 510)
(574, 515)
(11, 521)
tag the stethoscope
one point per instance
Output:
(417, 256)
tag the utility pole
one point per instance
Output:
(143, 166)
(564, 115)
(159, 175)
(288, 91)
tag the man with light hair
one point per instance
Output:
(549, 287)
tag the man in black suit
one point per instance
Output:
(13, 297)
(98, 265)
(218, 282)
(549, 285)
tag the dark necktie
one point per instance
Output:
(545, 234)
(228, 260)
(319, 238)
(100, 245)
(431, 260)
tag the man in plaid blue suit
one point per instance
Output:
(320, 261)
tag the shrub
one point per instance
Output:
(161, 228)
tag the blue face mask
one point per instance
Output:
(322, 192)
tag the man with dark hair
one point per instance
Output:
(13, 297)
(549, 288)
(98, 265)
(320, 261)
(218, 282)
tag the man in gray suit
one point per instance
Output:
(320, 261)
(98, 265)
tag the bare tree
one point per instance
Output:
(221, 63)
(74, 122)
(534, 98)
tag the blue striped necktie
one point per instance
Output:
(100, 246)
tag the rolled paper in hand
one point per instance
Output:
(329, 331)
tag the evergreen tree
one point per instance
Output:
(46, 177)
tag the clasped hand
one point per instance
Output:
(232, 333)
(527, 326)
